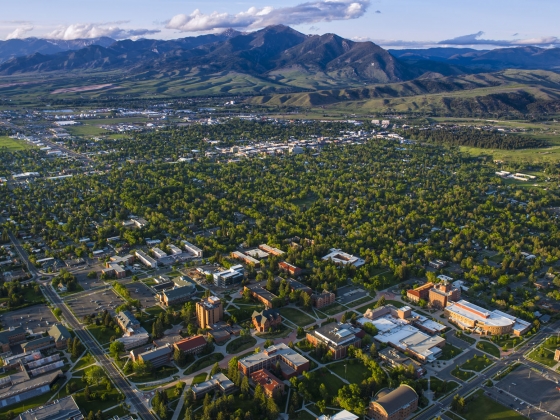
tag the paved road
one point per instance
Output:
(500, 365)
(99, 354)
(85, 338)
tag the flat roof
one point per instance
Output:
(476, 313)
(62, 409)
(271, 352)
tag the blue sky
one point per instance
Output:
(391, 23)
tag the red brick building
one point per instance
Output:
(269, 318)
(272, 386)
(289, 268)
(191, 345)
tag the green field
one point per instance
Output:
(154, 375)
(88, 129)
(544, 353)
(333, 309)
(101, 333)
(477, 363)
(204, 362)
(488, 348)
(13, 145)
(483, 407)
(461, 374)
(449, 351)
(354, 372)
(201, 377)
(240, 344)
(296, 316)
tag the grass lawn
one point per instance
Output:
(76, 382)
(149, 282)
(111, 399)
(508, 342)
(355, 370)
(245, 312)
(85, 130)
(117, 411)
(156, 374)
(85, 361)
(449, 351)
(488, 347)
(101, 333)
(204, 362)
(462, 336)
(332, 383)
(282, 332)
(461, 374)
(483, 407)
(201, 377)
(240, 344)
(296, 316)
(543, 355)
(440, 387)
(477, 363)
(333, 309)
(13, 145)
(360, 301)
(154, 311)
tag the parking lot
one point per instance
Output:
(349, 294)
(140, 291)
(94, 302)
(37, 318)
(532, 388)
(85, 282)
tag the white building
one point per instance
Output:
(159, 253)
(192, 249)
(146, 259)
(342, 258)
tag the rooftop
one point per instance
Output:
(281, 350)
(63, 409)
(476, 313)
(397, 399)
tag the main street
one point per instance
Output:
(99, 354)
(84, 337)
(441, 406)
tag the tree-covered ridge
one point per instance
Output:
(466, 136)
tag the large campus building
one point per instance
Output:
(401, 329)
(398, 404)
(437, 295)
(209, 311)
(61, 409)
(291, 362)
(342, 258)
(337, 338)
(471, 317)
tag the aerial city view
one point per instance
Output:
(265, 210)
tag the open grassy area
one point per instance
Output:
(354, 372)
(281, 332)
(488, 347)
(244, 312)
(477, 363)
(483, 407)
(13, 145)
(441, 388)
(332, 383)
(155, 374)
(449, 351)
(204, 362)
(296, 316)
(87, 129)
(461, 374)
(333, 309)
(154, 310)
(544, 353)
(201, 377)
(506, 342)
(101, 333)
(111, 399)
(86, 360)
(240, 344)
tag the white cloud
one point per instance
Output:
(254, 17)
(93, 30)
(19, 32)
(476, 39)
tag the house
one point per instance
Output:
(271, 385)
(337, 338)
(398, 404)
(320, 300)
(289, 268)
(191, 345)
(291, 362)
(264, 320)
(61, 335)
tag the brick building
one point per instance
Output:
(191, 345)
(323, 299)
(291, 362)
(269, 318)
(337, 338)
(209, 311)
(272, 386)
(398, 404)
(289, 268)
